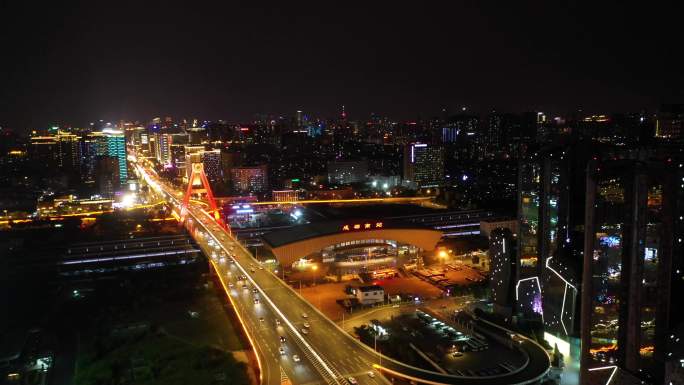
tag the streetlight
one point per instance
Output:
(313, 273)
(442, 255)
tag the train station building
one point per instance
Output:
(352, 245)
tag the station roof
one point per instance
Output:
(300, 241)
(320, 229)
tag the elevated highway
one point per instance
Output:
(269, 309)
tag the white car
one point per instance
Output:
(304, 315)
(371, 374)
(281, 350)
(295, 358)
(352, 380)
(304, 331)
(306, 325)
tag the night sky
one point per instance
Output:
(76, 63)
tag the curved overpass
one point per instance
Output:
(330, 350)
(294, 243)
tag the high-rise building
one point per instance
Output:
(112, 143)
(423, 165)
(162, 147)
(107, 176)
(632, 262)
(502, 247)
(551, 200)
(69, 151)
(459, 126)
(212, 164)
(669, 123)
(249, 179)
(178, 157)
(90, 145)
(461, 134)
(61, 149)
(346, 172)
(509, 133)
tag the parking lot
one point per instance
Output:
(455, 350)
(448, 275)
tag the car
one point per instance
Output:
(306, 325)
(457, 354)
(295, 358)
(277, 322)
(371, 374)
(252, 270)
(244, 287)
(304, 315)
(261, 267)
(281, 350)
(256, 301)
(352, 380)
(255, 291)
(304, 331)
(261, 319)
(230, 284)
(282, 339)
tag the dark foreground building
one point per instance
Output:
(632, 273)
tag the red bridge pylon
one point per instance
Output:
(199, 184)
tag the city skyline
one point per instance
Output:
(341, 193)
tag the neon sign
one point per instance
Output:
(362, 226)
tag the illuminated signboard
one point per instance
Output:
(362, 226)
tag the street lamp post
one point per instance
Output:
(313, 273)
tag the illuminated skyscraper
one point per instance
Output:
(112, 143)
(528, 285)
(162, 149)
(423, 165)
(502, 247)
(212, 164)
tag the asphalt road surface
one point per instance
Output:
(326, 353)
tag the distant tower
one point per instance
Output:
(344, 113)
(198, 184)
(299, 118)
